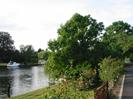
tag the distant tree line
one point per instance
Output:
(26, 54)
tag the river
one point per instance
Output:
(22, 80)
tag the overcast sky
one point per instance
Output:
(35, 22)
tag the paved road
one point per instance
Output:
(128, 83)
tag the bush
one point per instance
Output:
(110, 69)
(67, 91)
(83, 73)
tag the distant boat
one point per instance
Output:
(12, 64)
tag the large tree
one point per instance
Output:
(118, 38)
(75, 45)
(6, 46)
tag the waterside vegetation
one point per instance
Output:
(85, 54)
(86, 51)
(59, 91)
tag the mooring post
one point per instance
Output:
(8, 91)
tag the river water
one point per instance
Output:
(22, 80)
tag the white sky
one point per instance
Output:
(35, 22)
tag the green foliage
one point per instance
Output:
(16, 56)
(117, 38)
(120, 27)
(6, 47)
(78, 71)
(43, 54)
(87, 78)
(6, 42)
(75, 45)
(40, 55)
(81, 45)
(28, 54)
(129, 47)
(110, 69)
(68, 91)
(54, 65)
(131, 57)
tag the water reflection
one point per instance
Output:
(22, 80)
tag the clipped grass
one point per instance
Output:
(58, 91)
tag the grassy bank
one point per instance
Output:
(3, 64)
(60, 91)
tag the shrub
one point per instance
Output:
(67, 91)
(110, 69)
(83, 73)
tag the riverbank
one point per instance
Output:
(31, 64)
(3, 64)
(61, 91)
(35, 64)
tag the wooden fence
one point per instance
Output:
(102, 92)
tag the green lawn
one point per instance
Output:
(59, 91)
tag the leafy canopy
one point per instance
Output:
(75, 43)
(28, 54)
(118, 38)
(6, 47)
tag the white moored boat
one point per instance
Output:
(12, 64)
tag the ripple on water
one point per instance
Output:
(22, 80)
